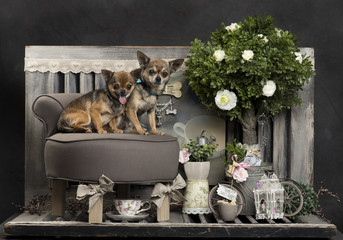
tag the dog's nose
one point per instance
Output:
(122, 92)
(158, 79)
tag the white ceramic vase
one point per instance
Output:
(197, 188)
(197, 170)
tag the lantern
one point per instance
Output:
(269, 197)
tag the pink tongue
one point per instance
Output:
(122, 99)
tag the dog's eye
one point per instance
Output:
(116, 86)
(129, 87)
(165, 74)
(151, 71)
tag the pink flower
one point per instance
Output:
(240, 174)
(184, 155)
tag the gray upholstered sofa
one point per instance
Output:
(85, 157)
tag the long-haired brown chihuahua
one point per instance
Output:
(155, 74)
(92, 111)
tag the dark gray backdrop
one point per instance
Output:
(317, 23)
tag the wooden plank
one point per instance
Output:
(280, 144)
(195, 230)
(251, 219)
(302, 133)
(163, 212)
(286, 220)
(58, 197)
(36, 83)
(103, 52)
(185, 218)
(99, 81)
(202, 219)
(86, 82)
(237, 220)
(71, 83)
(95, 214)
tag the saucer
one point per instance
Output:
(134, 218)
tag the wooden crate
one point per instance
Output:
(179, 226)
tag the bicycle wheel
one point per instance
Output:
(294, 199)
(213, 198)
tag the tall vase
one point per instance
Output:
(197, 188)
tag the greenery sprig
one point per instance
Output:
(200, 153)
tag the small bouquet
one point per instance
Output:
(239, 161)
(195, 152)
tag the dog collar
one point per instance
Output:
(139, 81)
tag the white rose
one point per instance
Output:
(299, 57)
(247, 55)
(269, 88)
(278, 32)
(232, 27)
(226, 100)
(264, 38)
(219, 55)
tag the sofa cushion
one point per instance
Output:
(124, 158)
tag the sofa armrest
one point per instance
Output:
(47, 108)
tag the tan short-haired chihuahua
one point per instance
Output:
(92, 111)
(154, 77)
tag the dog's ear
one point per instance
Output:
(107, 74)
(175, 64)
(136, 74)
(143, 59)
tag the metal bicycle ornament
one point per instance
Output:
(226, 190)
(269, 198)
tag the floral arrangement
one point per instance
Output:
(195, 152)
(241, 157)
(248, 68)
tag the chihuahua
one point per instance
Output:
(92, 111)
(154, 77)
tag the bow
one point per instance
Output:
(160, 191)
(244, 165)
(94, 190)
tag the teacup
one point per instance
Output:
(130, 207)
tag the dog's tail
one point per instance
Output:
(67, 126)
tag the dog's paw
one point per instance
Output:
(101, 131)
(142, 132)
(118, 131)
(158, 133)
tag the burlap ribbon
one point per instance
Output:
(94, 190)
(160, 191)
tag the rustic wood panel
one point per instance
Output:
(293, 142)
(280, 142)
(35, 179)
(195, 226)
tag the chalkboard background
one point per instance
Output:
(316, 23)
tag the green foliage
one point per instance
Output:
(310, 200)
(234, 149)
(310, 204)
(200, 153)
(274, 59)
